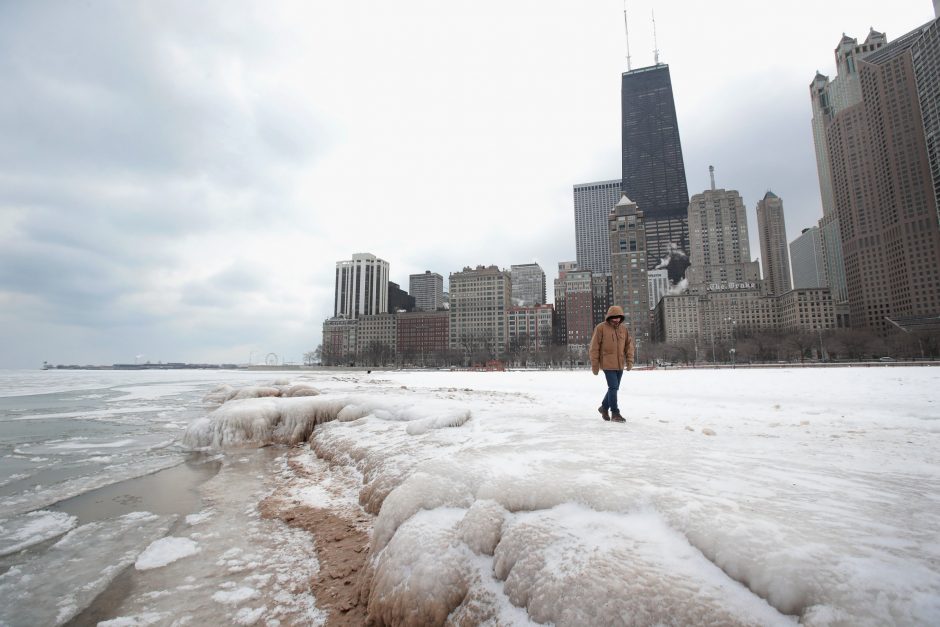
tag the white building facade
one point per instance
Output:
(361, 286)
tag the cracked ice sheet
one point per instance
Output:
(248, 569)
(820, 491)
(54, 587)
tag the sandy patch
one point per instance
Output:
(341, 538)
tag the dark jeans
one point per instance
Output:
(613, 384)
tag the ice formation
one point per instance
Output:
(263, 420)
(226, 392)
(818, 507)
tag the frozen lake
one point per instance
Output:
(732, 497)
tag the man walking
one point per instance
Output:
(611, 351)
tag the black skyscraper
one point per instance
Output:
(653, 170)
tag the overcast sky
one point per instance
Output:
(178, 179)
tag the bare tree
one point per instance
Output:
(855, 343)
(800, 342)
(312, 357)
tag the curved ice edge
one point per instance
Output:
(291, 420)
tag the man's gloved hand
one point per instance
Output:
(629, 366)
(595, 369)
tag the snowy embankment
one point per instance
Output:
(729, 497)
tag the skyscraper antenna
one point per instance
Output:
(626, 31)
(655, 45)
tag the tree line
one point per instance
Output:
(765, 347)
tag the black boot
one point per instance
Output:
(603, 411)
(617, 417)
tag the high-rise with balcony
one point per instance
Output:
(427, 289)
(653, 169)
(772, 233)
(361, 287)
(592, 203)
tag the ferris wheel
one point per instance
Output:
(270, 359)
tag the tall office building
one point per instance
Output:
(427, 289)
(528, 284)
(478, 301)
(719, 242)
(653, 169)
(828, 98)
(559, 327)
(627, 267)
(579, 308)
(883, 188)
(361, 286)
(807, 261)
(592, 203)
(772, 232)
(925, 54)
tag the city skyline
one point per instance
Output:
(179, 184)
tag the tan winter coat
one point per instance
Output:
(611, 349)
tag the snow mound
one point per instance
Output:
(444, 421)
(574, 566)
(256, 391)
(423, 574)
(299, 389)
(225, 392)
(29, 529)
(165, 551)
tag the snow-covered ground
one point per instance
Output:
(729, 497)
